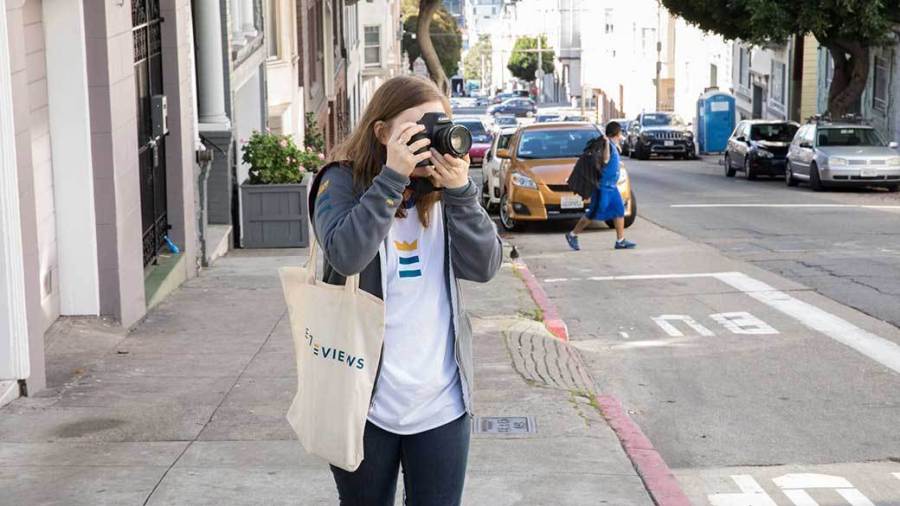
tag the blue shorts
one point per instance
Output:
(606, 204)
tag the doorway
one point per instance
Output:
(757, 102)
(148, 80)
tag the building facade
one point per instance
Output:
(102, 162)
(379, 30)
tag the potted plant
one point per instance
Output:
(273, 199)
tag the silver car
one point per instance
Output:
(834, 154)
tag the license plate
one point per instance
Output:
(868, 173)
(571, 202)
(670, 143)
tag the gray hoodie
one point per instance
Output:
(352, 229)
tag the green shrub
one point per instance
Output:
(276, 159)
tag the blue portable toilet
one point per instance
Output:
(716, 117)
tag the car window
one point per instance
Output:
(738, 130)
(809, 135)
(542, 144)
(848, 137)
(652, 120)
(503, 141)
(774, 132)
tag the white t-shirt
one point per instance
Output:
(419, 386)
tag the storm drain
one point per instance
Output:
(504, 425)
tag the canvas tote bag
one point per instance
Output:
(338, 334)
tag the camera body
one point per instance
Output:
(446, 137)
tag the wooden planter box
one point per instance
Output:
(275, 215)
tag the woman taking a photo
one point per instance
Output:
(376, 215)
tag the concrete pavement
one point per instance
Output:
(188, 408)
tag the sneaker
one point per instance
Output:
(573, 241)
(625, 244)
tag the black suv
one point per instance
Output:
(659, 133)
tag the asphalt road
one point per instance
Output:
(758, 345)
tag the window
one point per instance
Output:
(881, 80)
(744, 69)
(648, 39)
(608, 25)
(713, 75)
(372, 49)
(272, 27)
(778, 76)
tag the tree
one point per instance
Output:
(846, 28)
(472, 62)
(433, 34)
(523, 62)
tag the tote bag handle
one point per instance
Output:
(352, 282)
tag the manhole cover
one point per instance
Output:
(504, 425)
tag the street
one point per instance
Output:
(752, 335)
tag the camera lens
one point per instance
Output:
(459, 140)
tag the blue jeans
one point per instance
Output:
(434, 467)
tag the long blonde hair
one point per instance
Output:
(362, 150)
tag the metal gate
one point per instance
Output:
(148, 81)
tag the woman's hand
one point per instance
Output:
(449, 172)
(401, 155)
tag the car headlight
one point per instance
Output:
(837, 161)
(894, 162)
(523, 181)
(762, 153)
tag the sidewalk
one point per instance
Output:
(189, 407)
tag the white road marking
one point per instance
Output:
(794, 487)
(751, 494)
(672, 330)
(742, 322)
(877, 348)
(800, 206)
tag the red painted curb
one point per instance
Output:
(657, 476)
(551, 318)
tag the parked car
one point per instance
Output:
(518, 107)
(547, 117)
(759, 148)
(494, 169)
(499, 98)
(842, 154)
(481, 139)
(502, 121)
(625, 124)
(541, 158)
(660, 133)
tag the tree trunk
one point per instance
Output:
(427, 9)
(851, 72)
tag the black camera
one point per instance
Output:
(445, 136)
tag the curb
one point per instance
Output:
(551, 318)
(658, 479)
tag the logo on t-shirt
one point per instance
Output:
(409, 259)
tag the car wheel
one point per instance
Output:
(815, 182)
(641, 153)
(729, 170)
(748, 170)
(630, 217)
(506, 219)
(789, 176)
(486, 196)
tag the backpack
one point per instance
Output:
(585, 176)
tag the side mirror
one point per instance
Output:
(741, 139)
(503, 154)
(893, 145)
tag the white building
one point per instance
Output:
(762, 81)
(620, 58)
(379, 53)
(284, 88)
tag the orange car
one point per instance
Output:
(541, 157)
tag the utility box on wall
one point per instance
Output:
(716, 117)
